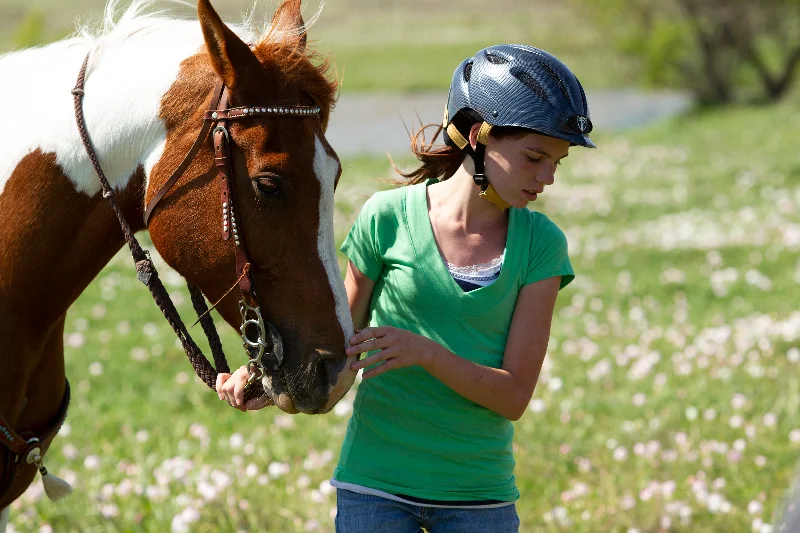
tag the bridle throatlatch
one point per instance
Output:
(478, 154)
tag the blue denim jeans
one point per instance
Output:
(360, 513)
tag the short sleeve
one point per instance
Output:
(361, 245)
(549, 255)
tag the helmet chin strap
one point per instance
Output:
(490, 194)
(478, 155)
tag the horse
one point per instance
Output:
(149, 84)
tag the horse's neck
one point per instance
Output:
(129, 74)
(54, 240)
(56, 232)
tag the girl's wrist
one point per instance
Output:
(429, 354)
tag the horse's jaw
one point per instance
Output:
(344, 380)
(340, 380)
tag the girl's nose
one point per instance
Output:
(546, 178)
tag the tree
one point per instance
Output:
(724, 51)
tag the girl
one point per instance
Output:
(452, 283)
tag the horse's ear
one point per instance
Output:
(289, 21)
(230, 56)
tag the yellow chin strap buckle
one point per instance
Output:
(486, 190)
(491, 195)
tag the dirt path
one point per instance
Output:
(370, 124)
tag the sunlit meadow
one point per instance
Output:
(668, 402)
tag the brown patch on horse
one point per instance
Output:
(53, 243)
(54, 240)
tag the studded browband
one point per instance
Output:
(210, 118)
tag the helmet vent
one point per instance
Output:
(468, 71)
(530, 82)
(557, 79)
(496, 59)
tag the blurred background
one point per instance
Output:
(670, 394)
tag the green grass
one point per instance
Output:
(383, 46)
(669, 394)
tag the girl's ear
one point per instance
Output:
(473, 134)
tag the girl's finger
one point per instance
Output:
(228, 387)
(380, 343)
(363, 363)
(227, 390)
(366, 334)
(221, 379)
(238, 389)
(382, 355)
(380, 369)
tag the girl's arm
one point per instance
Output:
(359, 294)
(507, 390)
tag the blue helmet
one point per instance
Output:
(520, 86)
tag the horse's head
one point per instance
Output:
(285, 173)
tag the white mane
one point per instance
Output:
(134, 60)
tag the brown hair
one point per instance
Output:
(442, 161)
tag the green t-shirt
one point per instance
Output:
(409, 433)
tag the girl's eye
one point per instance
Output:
(534, 159)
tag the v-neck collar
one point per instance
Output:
(433, 265)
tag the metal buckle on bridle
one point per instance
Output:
(224, 130)
(257, 347)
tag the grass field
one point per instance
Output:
(382, 45)
(669, 399)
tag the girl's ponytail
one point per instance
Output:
(438, 162)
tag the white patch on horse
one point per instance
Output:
(326, 168)
(133, 64)
(4, 518)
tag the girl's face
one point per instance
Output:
(519, 167)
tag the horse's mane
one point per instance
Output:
(303, 67)
(274, 44)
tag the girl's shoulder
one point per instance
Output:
(390, 202)
(540, 235)
(537, 223)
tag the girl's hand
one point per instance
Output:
(230, 388)
(398, 348)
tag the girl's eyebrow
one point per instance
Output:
(542, 152)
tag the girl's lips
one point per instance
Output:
(531, 195)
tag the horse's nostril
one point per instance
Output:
(322, 354)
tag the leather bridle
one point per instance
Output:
(218, 117)
(260, 338)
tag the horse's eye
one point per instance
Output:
(268, 186)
